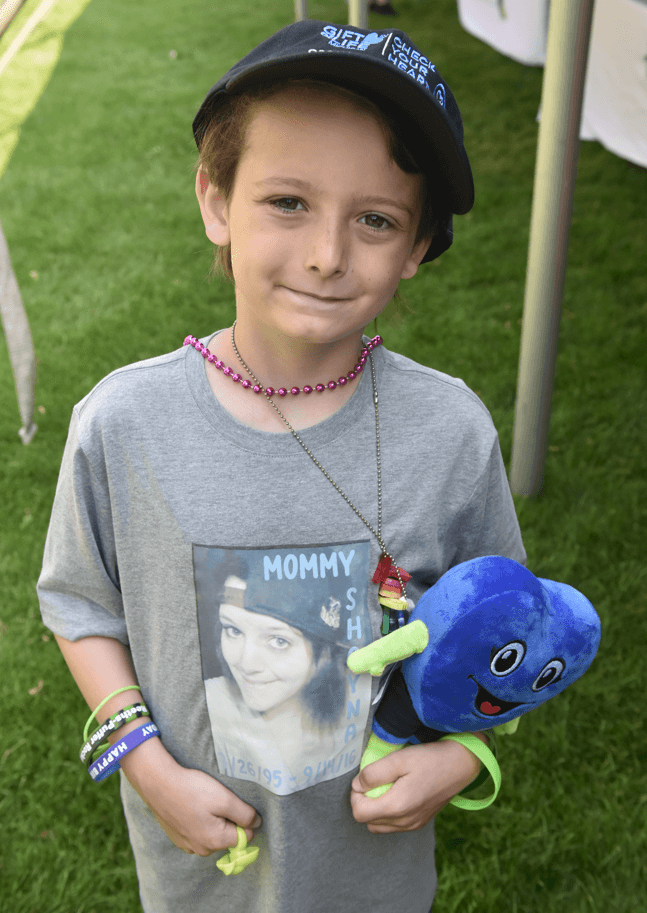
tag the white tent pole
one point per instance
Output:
(569, 30)
(36, 17)
(19, 342)
(358, 13)
(300, 10)
(7, 12)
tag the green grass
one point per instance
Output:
(107, 244)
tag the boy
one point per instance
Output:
(320, 194)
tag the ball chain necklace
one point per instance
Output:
(390, 578)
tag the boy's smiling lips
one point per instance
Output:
(312, 295)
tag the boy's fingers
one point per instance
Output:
(386, 770)
(251, 819)
(230, 835)
(366, 809)
(232, 840)
(241, 813)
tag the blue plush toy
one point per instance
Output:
(486, 644)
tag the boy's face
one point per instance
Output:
(321, 221)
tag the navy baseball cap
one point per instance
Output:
(388, 69)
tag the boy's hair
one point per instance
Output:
(224, 143)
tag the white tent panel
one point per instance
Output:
(615, 97)
(516, 28)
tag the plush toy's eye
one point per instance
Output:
(552, 672)
(507, 658)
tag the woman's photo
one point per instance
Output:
(275, 631)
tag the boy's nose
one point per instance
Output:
(327, 250)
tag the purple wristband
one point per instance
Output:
(108, 763)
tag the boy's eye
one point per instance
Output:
(286, 203)
(373, 220)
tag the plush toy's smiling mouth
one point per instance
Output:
(489, 705)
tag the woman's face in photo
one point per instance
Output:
(269, 660)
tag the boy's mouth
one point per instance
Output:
(313, 295)
(489, 705)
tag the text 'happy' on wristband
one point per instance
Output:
(109, 762)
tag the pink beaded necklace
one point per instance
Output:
(283, 391)
(388, 576)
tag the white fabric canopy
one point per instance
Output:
(516, 28)
(615, 95)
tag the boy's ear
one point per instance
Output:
(413, 261)
(214, 209)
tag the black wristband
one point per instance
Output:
(115, 722)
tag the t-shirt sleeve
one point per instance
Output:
(487, 524)
(78, 588)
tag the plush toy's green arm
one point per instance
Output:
(239, 857)
(375, 657)
(377, 748)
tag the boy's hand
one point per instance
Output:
(424, 777)
(196, 812)
(199, 814)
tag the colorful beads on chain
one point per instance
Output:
(283, 391)
(391, 581)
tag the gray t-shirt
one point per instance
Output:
(239, 579)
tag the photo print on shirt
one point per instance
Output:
(275, 627)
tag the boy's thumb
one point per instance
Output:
(368, 778)
(370, 784)
(371, 769)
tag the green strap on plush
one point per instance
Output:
(483, 753)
